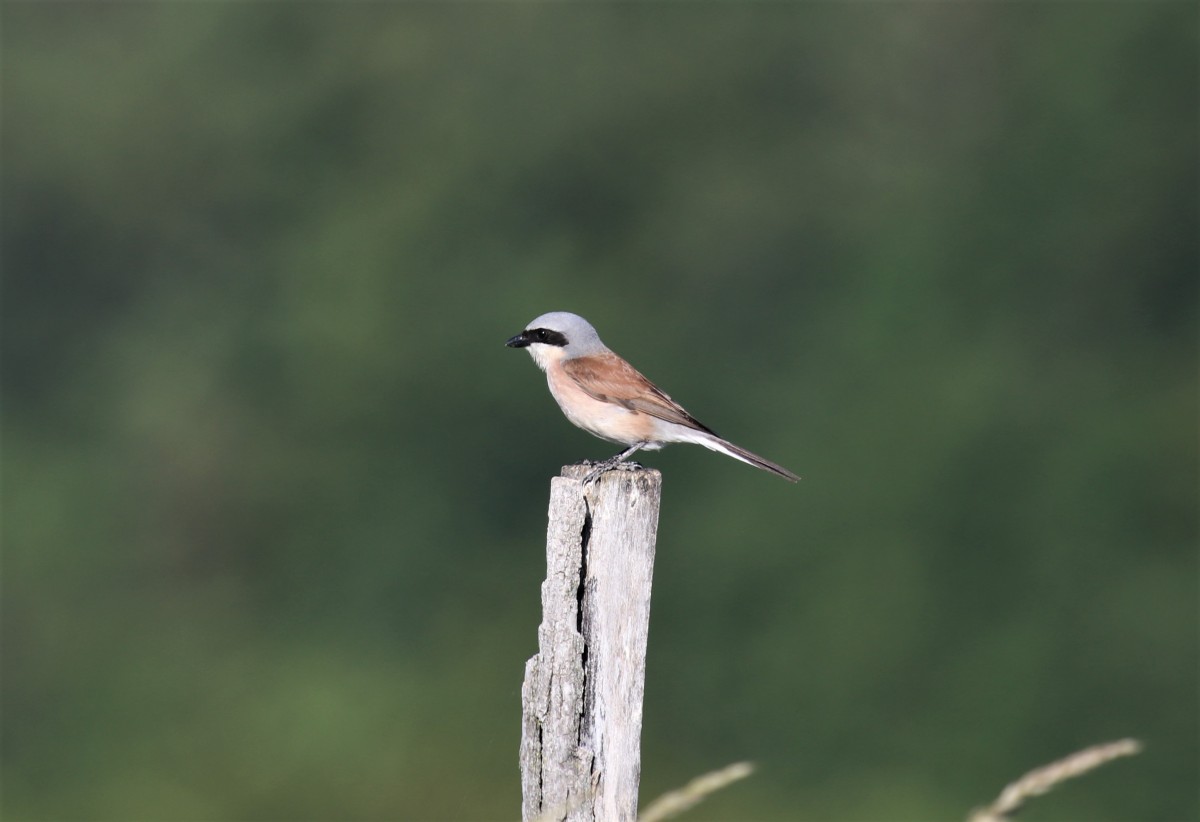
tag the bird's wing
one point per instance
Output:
(608, 378)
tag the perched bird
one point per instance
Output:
(604, 395)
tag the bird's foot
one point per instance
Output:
(613, 464)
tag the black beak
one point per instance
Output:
(519, 341)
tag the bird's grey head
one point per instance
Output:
(559, 335)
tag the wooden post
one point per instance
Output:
(582, 697)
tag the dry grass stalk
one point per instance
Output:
(1041, 780)
(676, 802)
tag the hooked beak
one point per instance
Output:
(519, 341)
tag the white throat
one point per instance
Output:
(544, 355)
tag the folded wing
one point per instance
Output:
(608, 378)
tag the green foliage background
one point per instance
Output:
(274, 490)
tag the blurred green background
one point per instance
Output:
(275, 492)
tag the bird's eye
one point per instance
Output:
(540, 334)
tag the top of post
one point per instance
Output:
(646, 479)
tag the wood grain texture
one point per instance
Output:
(583, 691)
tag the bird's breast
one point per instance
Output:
(607, 420)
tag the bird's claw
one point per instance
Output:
(606, 466)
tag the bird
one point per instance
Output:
(604, 395)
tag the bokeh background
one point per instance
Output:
(274, 491)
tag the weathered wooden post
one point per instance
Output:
(582, 697)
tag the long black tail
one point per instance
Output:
(739, 453)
